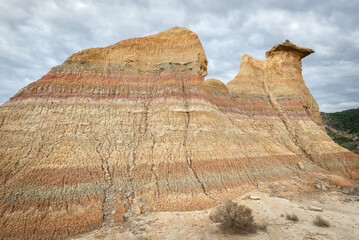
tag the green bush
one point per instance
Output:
(347, 120)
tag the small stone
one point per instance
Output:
(347, 200)
(318, 186)
(142, 228)
(127, 215)
(317, 209)
(254, 197)
(246, 197)
(137, 210)
(301, 165)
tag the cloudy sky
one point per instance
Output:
(37, 35)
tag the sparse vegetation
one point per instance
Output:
(320, 222)
(234, 218)
(262, 226)
(293, 217)
(354, 191)
(202, 237)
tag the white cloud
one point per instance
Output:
(36, 35)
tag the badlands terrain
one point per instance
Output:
(131, 141)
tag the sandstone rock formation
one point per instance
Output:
(134, 127)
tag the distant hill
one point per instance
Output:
(343, 128)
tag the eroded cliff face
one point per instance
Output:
(133, 127)
(275, 88)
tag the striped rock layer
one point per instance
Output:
(134, 127)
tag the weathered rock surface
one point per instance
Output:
(133, 127)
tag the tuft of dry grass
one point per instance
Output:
(262, 226)
(320, 222)
(202, 237)
(293, 217)
(234, 218)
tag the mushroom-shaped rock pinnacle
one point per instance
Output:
(287, 46)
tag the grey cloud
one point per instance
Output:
(36, 35)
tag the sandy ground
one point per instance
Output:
(342, 214)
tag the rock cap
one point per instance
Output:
(287, 46)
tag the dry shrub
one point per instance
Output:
(262, 226)
(320, 222)
(354, 191)
(202, 237)
(292, 217)
(234, 218)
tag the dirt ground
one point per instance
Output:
(339, 209)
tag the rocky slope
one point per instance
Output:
(117, 131)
